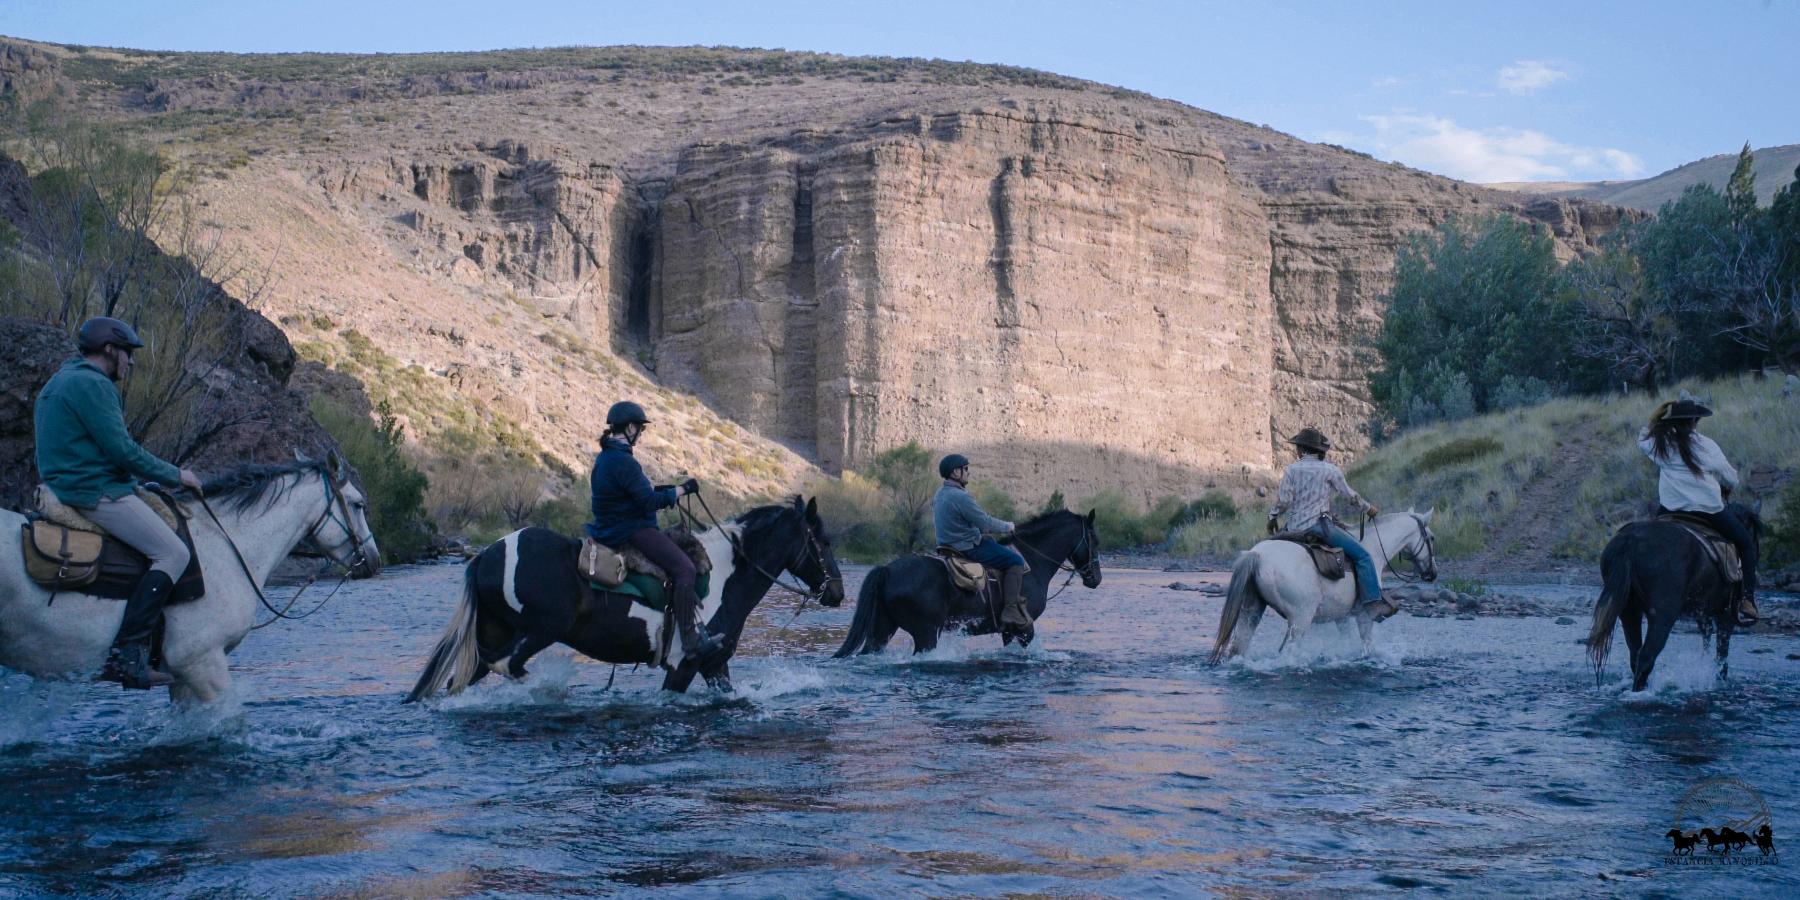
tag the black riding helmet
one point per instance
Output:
(98, 333)
(625, 413)
(951, 463)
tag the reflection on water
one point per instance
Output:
(1464, 756)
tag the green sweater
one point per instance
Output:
(83, 451)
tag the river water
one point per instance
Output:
(1466, 757)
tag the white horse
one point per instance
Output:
(1281, 574)
(263, 511)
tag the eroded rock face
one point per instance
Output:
(1068, 301)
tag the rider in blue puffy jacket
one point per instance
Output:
(624, 510)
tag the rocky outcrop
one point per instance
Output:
(28, 73)
(1057, 295)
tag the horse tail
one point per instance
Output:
(868, 601)
(1615, 571)
(1243, 585)
(455, 658)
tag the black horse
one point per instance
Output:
(1658, 571)
(527, 583)
(915, 593)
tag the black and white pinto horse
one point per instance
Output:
(527, 582)
(914, 592)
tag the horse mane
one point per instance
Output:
(761, 516)
(1045, 518)
(247, 486)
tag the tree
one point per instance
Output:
(1740, 190)
(1621, 323)
(908, 481)
(1473, 303)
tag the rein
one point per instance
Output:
(1418, 574)
(1064, 565)
(332, 495)
(807, 595)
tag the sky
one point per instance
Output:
(1482, 91)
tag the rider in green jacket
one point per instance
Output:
(89, 461)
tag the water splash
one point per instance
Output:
(547, 681)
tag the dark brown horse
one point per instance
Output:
(1657, 573)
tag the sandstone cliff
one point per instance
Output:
(808, 259)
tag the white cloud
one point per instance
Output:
(1528, 76)
(1440, 145)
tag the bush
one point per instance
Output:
(395, 488)
(1456, 452)
(857, 513)
(1119, 523)
(1212, 505)
(1781, 535)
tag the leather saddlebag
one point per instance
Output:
(599, 564)
(59, 558)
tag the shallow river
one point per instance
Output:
(1467, 757)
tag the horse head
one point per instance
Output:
(1086, 555)
(1064, 539)
(342, 530)
(814, 562)
(1419, 547)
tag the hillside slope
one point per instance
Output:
(1774, 169)
(1088, 287)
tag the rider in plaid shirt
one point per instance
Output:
(1307, 488)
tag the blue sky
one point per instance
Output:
(1482, 91)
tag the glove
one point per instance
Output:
(690, 486)
(1656, 416)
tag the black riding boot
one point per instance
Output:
(128, 663)
(697, 645)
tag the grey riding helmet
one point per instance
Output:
(951, 463)
(98, 333)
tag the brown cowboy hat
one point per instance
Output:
(1311, 439)
(1686, 409)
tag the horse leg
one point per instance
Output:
(720, 679)
(925, 639)
(1727, 621)
(544, 621)
(1244, 631)
(201, 679)
(1365, 629)
(884, 629)
(1296, 629)
(1631, 621)
(1653, 646)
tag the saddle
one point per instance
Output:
(1719, 548)
(966, 574)
(1328, 560)
(64, 551)
(626, 570)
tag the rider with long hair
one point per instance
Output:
(1694, 477)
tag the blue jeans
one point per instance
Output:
(990, 553)
(1367, 581)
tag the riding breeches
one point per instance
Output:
(662, 551)
(132, 521)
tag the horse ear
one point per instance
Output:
(812, 508)
(1090, 517)
(1426, 515)
(339, 467)
(301, 458)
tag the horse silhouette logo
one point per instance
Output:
(1724, 817)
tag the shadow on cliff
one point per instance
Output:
(1033, 470)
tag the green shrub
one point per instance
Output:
(995, 500)
(1119, 523)
(1456, 452)
(1214, 504)
(1781, 534)
(1218, 536)
(394, 486)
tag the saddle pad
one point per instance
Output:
(650, 591)
(69, 517)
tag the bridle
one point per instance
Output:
(814, 546)
(1419, 571)
(336, 501)
(1088, 571)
